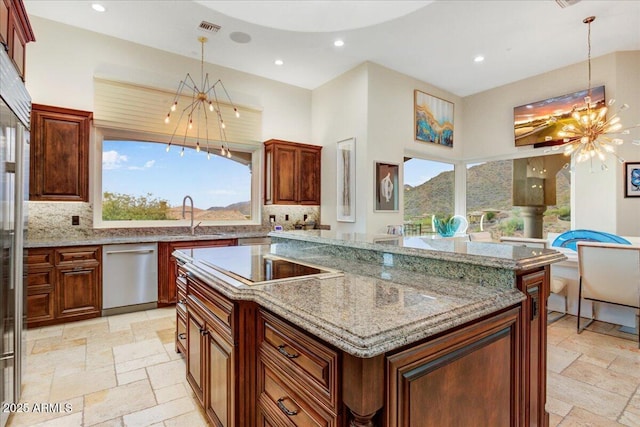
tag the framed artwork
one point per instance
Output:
(433, 119)
(346, 180)
(538, 123)
(632, 179)
(387, 186)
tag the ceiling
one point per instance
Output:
(433, 41)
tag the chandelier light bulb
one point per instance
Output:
(228, 154)
(223, 152)
(168, 146)
(182, 152)
(197, 96)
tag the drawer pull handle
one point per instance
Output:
(183, 301)
(284, 409)
(286, 353)
(182, 336)
(203, 331)
(183, 275)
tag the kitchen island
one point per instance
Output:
(381, 335)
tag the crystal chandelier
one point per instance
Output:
(202, 97)
(593, 135)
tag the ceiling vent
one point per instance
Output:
(566, 3)
(209, 27)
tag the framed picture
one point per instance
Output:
(538, 123)
(387, 186)
(632, 179)
(433, 119)
(346, 180)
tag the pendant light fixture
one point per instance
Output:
(592, 135)
(203, 100)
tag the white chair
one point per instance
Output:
(609, 273)
(558, 285)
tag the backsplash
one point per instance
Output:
(52, 221)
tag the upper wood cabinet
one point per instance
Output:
(292, 173)
(59, 168)
(15, 32)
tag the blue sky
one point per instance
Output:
(139, 168)
(418, 171)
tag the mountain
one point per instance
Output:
(243, 207)
(489, 187)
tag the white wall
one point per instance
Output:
(339, 111)
(63, 61)
(597, 198)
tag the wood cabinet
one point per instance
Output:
(297, 376)
(292, 173)
(220, 363)
(535, 285)
(63, 284)
(438, 383)
(15, 32)
(167, 267)
(59, 169)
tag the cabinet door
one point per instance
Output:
(195, 352)
(78, 291)
(285, 174)
(438, 383)
(219, 395)
(4, 22)
(59, 154)
(309, 177)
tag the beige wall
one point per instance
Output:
(597, 196)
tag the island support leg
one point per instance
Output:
(363, 388)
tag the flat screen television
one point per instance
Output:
(538, 123)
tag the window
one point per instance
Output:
(542, 181)
(142, 184)
(429, 189)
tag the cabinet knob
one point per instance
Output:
(284, 409)
(281, 349)
(183, 301)
(182, 336)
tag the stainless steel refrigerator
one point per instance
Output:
(15, 110)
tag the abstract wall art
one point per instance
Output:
(387, 186)
(346, 180)
(433, 119)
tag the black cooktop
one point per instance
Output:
(255, 264)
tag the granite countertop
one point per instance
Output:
(488, 254)
(362, 314)
(150, 238)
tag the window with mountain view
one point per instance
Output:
(429, 189)
(490, 198)
(141, 181)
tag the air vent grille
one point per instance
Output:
(209, 27)
(566, 3)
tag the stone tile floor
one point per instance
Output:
(123, 371)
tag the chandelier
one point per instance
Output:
(203, 97)
(593, 135)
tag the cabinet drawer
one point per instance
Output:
(39, 258)
(215, 306)
(281, 402)
(71, 255)
(307, 361)
(40, 279)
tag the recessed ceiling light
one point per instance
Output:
(338, 43)
(98, 7)
(478, 58)
(278, 62)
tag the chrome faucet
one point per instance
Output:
(184, 204)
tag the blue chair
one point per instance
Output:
(568, 239)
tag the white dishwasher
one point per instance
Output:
(129, 277)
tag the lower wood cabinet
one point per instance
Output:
(63, 284)
(438, 383)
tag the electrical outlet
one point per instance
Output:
(304, 217)
(272, 218)
(75, 220)
(286, 217)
